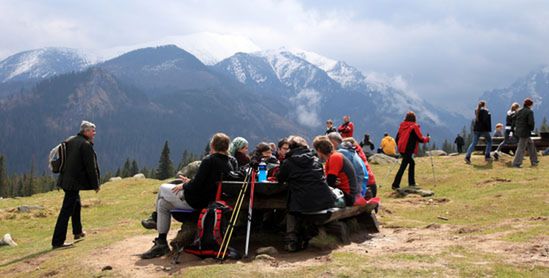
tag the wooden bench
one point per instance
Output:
(539, 142)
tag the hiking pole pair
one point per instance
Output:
(234, 217)
(250, 206)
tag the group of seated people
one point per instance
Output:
(312, 186)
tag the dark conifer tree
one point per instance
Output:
(165, 166)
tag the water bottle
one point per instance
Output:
(262, 172)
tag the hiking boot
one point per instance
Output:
(80, 236)
(395, 187)
(488, 159)
(534, 164)
(63, 246)
(467, 160)
(149, 223)
(159, 249)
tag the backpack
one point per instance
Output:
(57, 158)
(212, 224)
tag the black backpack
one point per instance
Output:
(57, 156)
(212, 224)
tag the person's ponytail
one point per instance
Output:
(480, 105)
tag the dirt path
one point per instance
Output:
(431, 240)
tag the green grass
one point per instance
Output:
(508, 204)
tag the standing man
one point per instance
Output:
(347, 128)
(80, 172)
(524, 124)
(330, 127)
(460, 142)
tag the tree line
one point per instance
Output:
(27, 184)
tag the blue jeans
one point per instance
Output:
(487, 138)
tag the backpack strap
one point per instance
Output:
(217, 226)
(200, 224)
(219, 190)
(62, 155)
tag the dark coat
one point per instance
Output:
(483, 123)
(81, 171)
(459, 141)
(308, 190)
(524, 122)
(201, 190)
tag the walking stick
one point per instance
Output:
(390, 170)
(432, 165)
(250, 205)
(234, 217)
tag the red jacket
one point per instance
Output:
(403, 136)
(346, 130)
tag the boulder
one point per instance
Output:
(264, 257)
(29, 208)
(453, 154)
(269, 250)
(382, 159)
(437, 153)
(139, 176)
(115, 179)
(190, 170)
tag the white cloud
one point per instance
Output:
(307, 105)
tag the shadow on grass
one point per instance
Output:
(487, 166)
(30, 256)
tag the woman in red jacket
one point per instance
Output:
(408, 137)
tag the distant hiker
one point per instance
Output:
(283, 148)
(371, 178)
(367, 145)
(191, 194)
(239, 150)
(507, 135)
(482, 128)
(80, 172)
(348, 150)
(339, 171)
(388, 145)
(524, 125)
(459, 143)
(347, 128)
(499, 130)
(330, 126)
(308, 192)
(408, 137)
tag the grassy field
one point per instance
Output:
(497, 225)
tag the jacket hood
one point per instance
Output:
(302, 157)
(407, 125)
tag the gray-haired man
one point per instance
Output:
(79, 173)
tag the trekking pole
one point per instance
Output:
(432, 164)
(390, 170)
(250, 206)
(234, 216)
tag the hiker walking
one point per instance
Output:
(347, 128)
(459, 143)
(524, 124)
(408, 137)
(509, 120)
(80, 172)
(482, 127)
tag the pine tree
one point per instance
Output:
(544, 126)
(3, 179)
(165, 166)
(126, 169)
(134, 169)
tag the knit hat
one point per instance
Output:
(237, 144)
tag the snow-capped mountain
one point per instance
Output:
(41, 63)
(321, 88)
(208, 47)
(535, 85)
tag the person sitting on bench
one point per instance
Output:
(191, 194)
(308, 193)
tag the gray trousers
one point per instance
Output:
(166, 201)
(523, 143)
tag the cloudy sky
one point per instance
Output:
(445, 51)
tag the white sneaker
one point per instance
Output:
(8, 240)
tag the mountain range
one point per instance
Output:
(145, 96)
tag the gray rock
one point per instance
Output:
(437, 153)
(139, 176)
(382, 159)
(269, 250)
(190, 170)
(453, 154)
(264, 257)
(29, 208)
(115, 179)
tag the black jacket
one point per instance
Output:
(459, 141)
(524, 122)
(201, 190)
(308, 190)
(483, 123)
(81, 171)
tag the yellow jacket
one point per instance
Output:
(388, 145)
